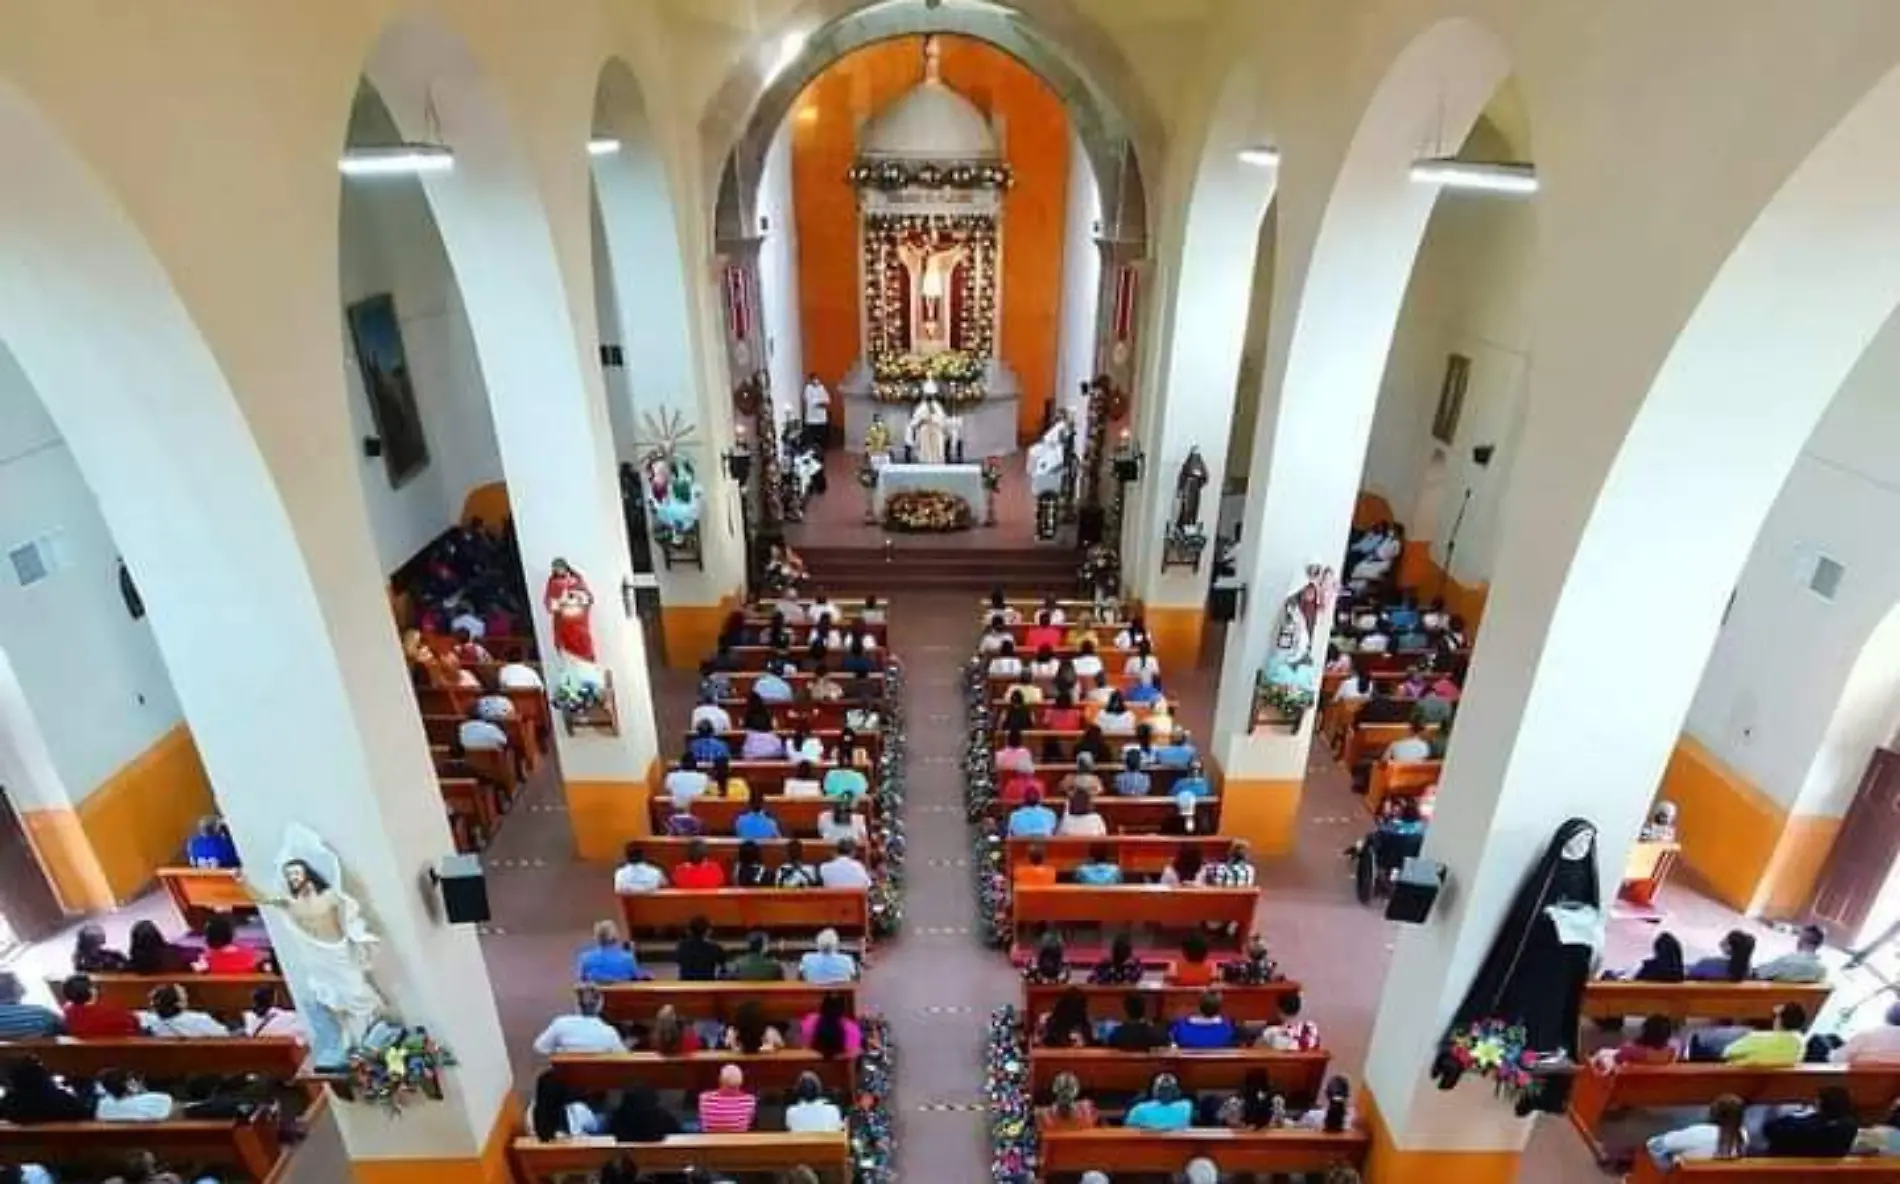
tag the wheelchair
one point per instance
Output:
(1377, 859)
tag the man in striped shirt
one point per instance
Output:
(20, 1020)
(729, 1109)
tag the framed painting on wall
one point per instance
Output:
(1451, 398)
(377, 336)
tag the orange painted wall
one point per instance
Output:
(825, 122)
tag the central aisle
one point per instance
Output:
(937, 983)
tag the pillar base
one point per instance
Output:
(1388, 1163)
(1176, 632)
(604, 815)
(690, 632)
(492, 1166)
(1263, 811)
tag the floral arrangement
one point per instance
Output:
(927, 511)
(887, 890)
(907, 174)
(979, 769)
(873, 1141)
(1101, 570)
(1495, 1049)
(577, 688)
(1012, 1119)
(952, 365)
(392, 1075)
(1285, 700)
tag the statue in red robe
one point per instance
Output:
(570, 605)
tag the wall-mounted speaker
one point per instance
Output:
(372, 446)
(1415, 890)
(464, 889)
(1224, 600)
(1481, 455)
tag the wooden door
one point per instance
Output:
(28, 904)
(1863, 854)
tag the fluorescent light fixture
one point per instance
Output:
(1261, 156)
(385, 160)
(1481, 176)
(602, 146)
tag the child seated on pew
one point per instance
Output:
(1067, 1025)
(1723, 1136)
(1257, 969)
(1120, 966)
(223, 954)
(1335, 1113)
(1050, 966)
(1291, 1034)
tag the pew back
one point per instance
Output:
(758, 1151)
(162, 1059)
(638, 1003)
(765, 1073)
(1240, 1004)
(1300, 1075)
(741, 910)
(223, 995)
(248, 1147)
(1068, 1154)
(1596, 1095)
(1135, 904)
(1400, 779)
(1144, 855)
(1684, 1001)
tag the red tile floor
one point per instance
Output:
(936, 982)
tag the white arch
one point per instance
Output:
(549, 408)
(1335, 310)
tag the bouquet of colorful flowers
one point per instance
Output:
(992, 885)
(1285, 700)
(924, 511)
(1493, 1048)
(1013, 1146)
(396, 1066)
(873, 1142)
(578, 687)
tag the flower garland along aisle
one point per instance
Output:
(1014, 1152)
(873, 1143)
(979, 794)
(887, 891)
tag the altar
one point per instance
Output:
(989, 426)
(965, 481)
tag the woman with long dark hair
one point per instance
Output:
(1051, 964)
(557, 1114)
(1731, 965)
(750, 1033)
(1121, 966)
(1067, 1024)
(149, 952)
(830, 1031)
(640, 1118)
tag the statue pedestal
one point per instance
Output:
(989, 427)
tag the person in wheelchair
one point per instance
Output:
(1399, 835)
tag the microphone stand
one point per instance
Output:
(1451, 544)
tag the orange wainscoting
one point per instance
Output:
(825, 122)
(138, 819)
(66, 854)
(605, 814)
(1422, 574)
(1265, 811)
(1176, 631)
(1390, 1164)
(491, 1166)
(1743, 844)
(691, 631)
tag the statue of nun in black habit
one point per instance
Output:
(1535, 972)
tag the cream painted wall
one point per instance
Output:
(1772, 697)
(778, 275)
(91, 675)
(1467, 296)
(389, 244)
(1081, 281)
(1253, 352)
(620, 411)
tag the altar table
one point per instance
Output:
(966, 481)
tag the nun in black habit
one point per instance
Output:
(1537, 967)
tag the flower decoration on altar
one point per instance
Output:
(927, 511)
(580, 686)
(1492, 1048)
(873, 1140)
(395, 1067)
(900, 378)
(929, 174)
(1014, 1149)
(1100, 573)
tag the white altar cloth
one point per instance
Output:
(966, 481)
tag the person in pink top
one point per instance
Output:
(1014, 756)
(829, 1031)
(1445, 689)
(1874, 1046)
(728, 1110)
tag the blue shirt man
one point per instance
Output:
(1203, 1031)
(1142, 692)
(1179, 754)
(20, 1020)
(1032, 820)
(211, 847)
(608, 964)
(1195, 783)
(1133, 783)
(771, 688)
(1096, 873)
(707, 748)
(858, 664)
(1153, 1115)
(756, 825)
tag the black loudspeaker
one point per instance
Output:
(1223, 600)
(1415, 890)
(1481, 455)
(464, 889)
(1091, 523)
(372, 446)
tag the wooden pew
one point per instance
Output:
(796, 816)
(772, 1152)
(752, 658)
(198, 891)
(785, 1002)
(1037, 741)
(225, 996)
(447, 729)
(1761, 1170)
(1134, 904)
(1068, 1154)
(1400, 779)
(1138, 855)
(1742, 1002)
(741, 910)
(1240, 1004)
(1072, 606)
(765, 1073)
(1597, 1095)
(817, 716)
(473, 811)
(1300, 1075)
(157, 1058)
(873, 742)
(668, 853)
(742, 681)
(248, 1147)
(1130, 816)
(531, 706)
(842, 619)
(1368, 742)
